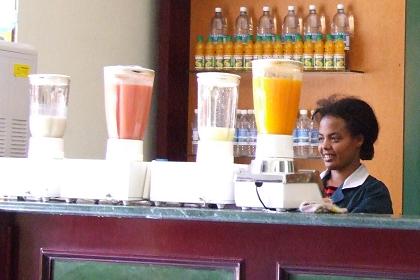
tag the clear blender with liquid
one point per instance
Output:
(270, 180)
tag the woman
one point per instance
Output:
(347, 131)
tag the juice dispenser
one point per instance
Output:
(49, 94)
(271, 181)
(217, 103)
(128, 96)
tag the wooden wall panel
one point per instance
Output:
(377, 49)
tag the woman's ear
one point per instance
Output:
(360, 139)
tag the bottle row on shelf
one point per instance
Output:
(313, 24)
(321, 55)
(305, 135)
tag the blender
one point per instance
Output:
(49, 94)
(217, 103)
(209, 180)
(270, 181)
(123, 176)
(128, 96)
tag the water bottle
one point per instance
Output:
(235, 137)
(312, 23)
(266, 24)
(242, 134)
(314, 136)
(340, 26)
(218, 25)
(291, 25)
(243, 24)
(252, 133)
(194, 133)
(302, 134)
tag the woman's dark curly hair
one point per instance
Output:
(359, 117)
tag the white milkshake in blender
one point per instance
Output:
(49, 94)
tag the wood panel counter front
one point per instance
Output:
(64, 241)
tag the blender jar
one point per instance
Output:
(276, 94)
(128, 97)
(217, 103)
(49, 94)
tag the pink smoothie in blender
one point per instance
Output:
(128, 95)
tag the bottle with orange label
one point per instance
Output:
(329, 53)
(258, 48)
(228, 54)
(319, 53)
(238, 54)
(278, 47)
(209, 55)
(199, 53)
(268, 47)
(308, 54)
(288, 48)
(218, 59)
(248, 53)
(298, 49)
(339, 55)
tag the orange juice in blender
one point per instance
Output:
(276, 93)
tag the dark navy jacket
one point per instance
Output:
(372, 196)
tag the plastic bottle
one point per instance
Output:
(278, 47)
(194, 133)
(242, 134)
(238, 54)
(308, 54)
(218, 58)
(228, 54)
(340, 26)
(209, 54)
(199, 53)
(248, 53)
(329, 53)
(312, 23)
(266, 24)
(314, 136)
(298, 49)
(288, 48)
(319, 53)
(302, 134)
(218, 25)
(267, 47)
(235, 138)
(339, 55)
(252, 133)
(291, 24)
(243, 24)
(258, 48)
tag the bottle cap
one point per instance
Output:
(243, 9)
(340, 6)
(312, 7)
(218, 10)
(290, 8)
(266, 9)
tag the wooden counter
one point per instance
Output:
(64, 241)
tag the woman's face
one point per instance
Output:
(338, 148)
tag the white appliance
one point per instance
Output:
(17, 61)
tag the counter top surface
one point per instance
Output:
(214, 215)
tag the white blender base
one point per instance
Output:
(46, 148)
(193, 182)
(276, 195)
(32, 179)
(274, 146)
(105, 180)
(124, 149)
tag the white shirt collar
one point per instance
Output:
(355, 179)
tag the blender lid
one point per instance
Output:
(129, 70)
(49, 79)
(218, 78)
